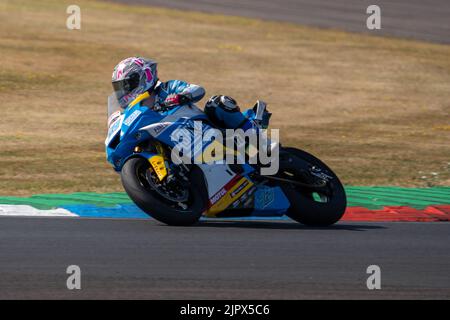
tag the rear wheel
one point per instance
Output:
(174, 202)
(319, 198)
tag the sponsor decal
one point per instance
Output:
(113, 118)
(128, 121)
(115, 127)
(218, 196)
(239, 189)
(159, 128)
(224, 198)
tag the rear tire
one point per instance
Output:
(304, 208)
(152, 203)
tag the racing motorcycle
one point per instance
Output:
(140, 144)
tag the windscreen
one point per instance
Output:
(114, 109)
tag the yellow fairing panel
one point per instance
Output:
(138, 99)
(232, 195)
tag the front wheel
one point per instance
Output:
(178, 204)
(315, 206)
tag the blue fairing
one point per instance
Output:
(121, 144)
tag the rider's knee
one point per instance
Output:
(224, 112)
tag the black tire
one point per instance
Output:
(152, 204)
(304, 208)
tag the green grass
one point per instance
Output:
(368, 197)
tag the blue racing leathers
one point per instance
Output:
(175, 92)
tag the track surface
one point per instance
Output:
(419, 19)
(249, 260)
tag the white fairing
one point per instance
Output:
(115, 118)
(217, 176)
(114, 129)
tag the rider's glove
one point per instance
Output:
(176, 99)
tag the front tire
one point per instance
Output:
(310, 207)
(133, 180)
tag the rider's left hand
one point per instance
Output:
(176, 99)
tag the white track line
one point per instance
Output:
(25, 210)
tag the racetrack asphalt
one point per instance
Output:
(125, 259)
(417, 19)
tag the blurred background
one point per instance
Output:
(374, 105)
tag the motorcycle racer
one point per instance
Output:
(134, 76)
(144, 117)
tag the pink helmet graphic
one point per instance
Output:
(132, 77)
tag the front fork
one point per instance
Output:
(158, 160)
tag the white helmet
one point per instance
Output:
(132, 77)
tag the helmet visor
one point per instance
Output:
(125, 86)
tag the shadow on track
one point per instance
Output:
(284, 225)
